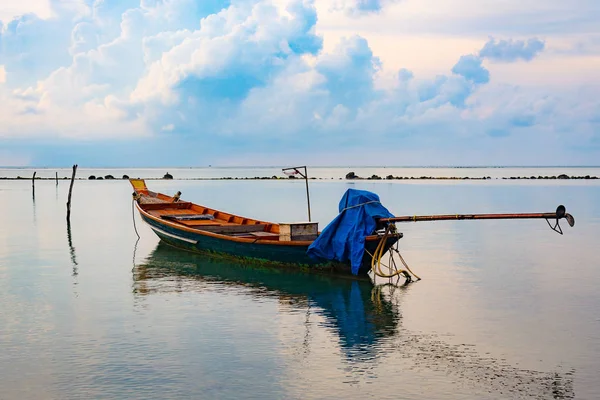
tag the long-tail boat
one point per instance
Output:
(202, 229)
(354, 242)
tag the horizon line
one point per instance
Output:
(310, 166)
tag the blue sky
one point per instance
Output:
(277, 82)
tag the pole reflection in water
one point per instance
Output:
(74, 263)
(366, 319)
(33, 200)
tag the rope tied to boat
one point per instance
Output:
(133, 217)
(378, 255)
(360, 205)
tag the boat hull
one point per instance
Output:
(292, 255)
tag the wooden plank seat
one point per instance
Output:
(264, 234)
(231, 229)
(187, 217)
(257, 235)
(198, 224)
(163, 206)
(151, 200)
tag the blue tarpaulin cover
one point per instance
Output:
(344, 238)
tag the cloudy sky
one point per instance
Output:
(317, 82)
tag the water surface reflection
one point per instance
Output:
(356, 310)
(366, 320)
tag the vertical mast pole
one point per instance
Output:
(307, 193)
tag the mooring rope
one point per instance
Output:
(133, 217)
(360, 205)
(378, 254)
(405, 264)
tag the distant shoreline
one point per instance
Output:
(354, 178)
(169, 167)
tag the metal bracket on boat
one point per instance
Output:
(561, 212)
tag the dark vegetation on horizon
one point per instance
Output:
(349, 176)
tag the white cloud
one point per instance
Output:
(263, 74)
(14, 8)
(470, 18)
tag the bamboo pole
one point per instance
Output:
(72, 249)
(70, 191)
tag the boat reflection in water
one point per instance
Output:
(365, 320)
(355, 309)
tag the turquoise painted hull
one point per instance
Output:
(293, 256)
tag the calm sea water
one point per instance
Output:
(506, 309)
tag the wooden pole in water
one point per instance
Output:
(70, 191)
(33, 187)
(57, 178)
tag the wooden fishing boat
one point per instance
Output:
(202, 229)
(353, 243)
